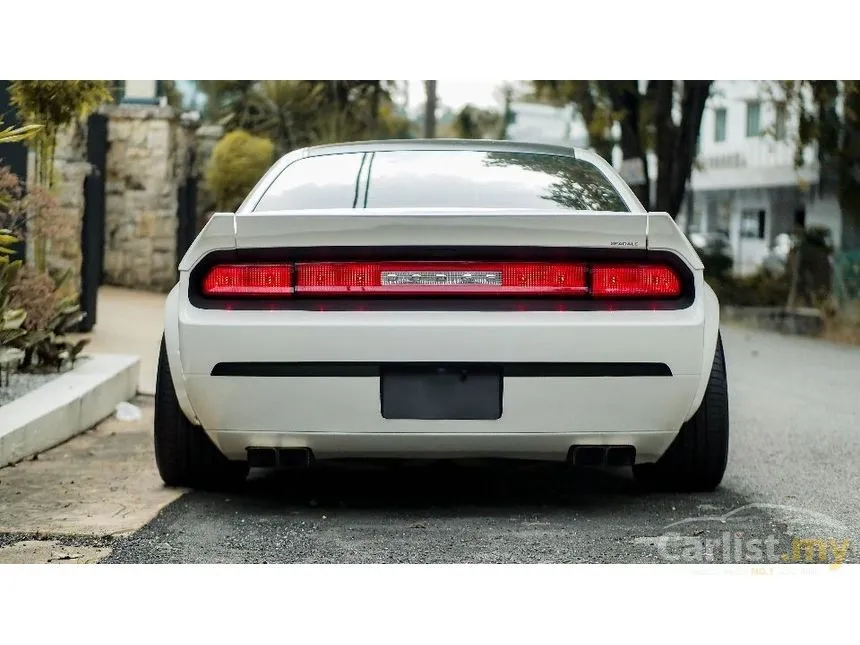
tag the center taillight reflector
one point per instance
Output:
(442, 278)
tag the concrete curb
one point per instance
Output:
(66, 406)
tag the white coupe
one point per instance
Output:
(441, 299)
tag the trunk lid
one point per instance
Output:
(441, 227)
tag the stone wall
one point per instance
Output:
(151, 152)
(146, 163)
(70, 171)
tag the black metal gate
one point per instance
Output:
(186, 211)
(13, 155)
(93, 230)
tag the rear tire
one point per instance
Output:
(184, 454)
(696, 459)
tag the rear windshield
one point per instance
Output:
(442, 179)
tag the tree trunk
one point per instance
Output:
(676, 144)
(375, 97)
(626, 99)
(849, 169)
(430, 109)
(342, 95)
(587, 106)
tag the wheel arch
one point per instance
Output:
(171, 346)
(711, 332)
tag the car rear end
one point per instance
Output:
(440, 332)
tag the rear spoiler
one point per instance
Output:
(663, 234)
(221, 233)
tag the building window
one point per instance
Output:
(779, 125)
(724, 217)
(753, 119)
(719, 125)
(697, 220)
(800, 217)
(753, 224)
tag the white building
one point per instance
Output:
(745, 183)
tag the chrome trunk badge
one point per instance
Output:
(442, 278)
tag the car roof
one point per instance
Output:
(481, 145)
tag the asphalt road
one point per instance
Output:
(793, 473)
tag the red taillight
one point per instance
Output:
(249, 280)
(634, 280)
(440, 278)
(598, 280)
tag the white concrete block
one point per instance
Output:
(66, 406)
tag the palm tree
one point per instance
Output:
(13, 134)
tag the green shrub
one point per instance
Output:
(810, 260)
(37, 309)
(11, 318)
(717, 264)
(238, 162)
(50, 316)
(760, 290)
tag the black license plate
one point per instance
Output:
(441, 392)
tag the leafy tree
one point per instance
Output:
(590, 100)
(298, 113)
(238, 162)
(13, 134)
(172, 93)
(838, 141)
(664, 119)
(225, 97)
(392, 124)
(53, 105)
(475, 123)
(283, 111)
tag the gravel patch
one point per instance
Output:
(437, 513)
(7, 539)
(23, 383)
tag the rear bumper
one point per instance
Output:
(430, 445)
(529, 405)
(241, 375)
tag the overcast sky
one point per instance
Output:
(455, 94)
